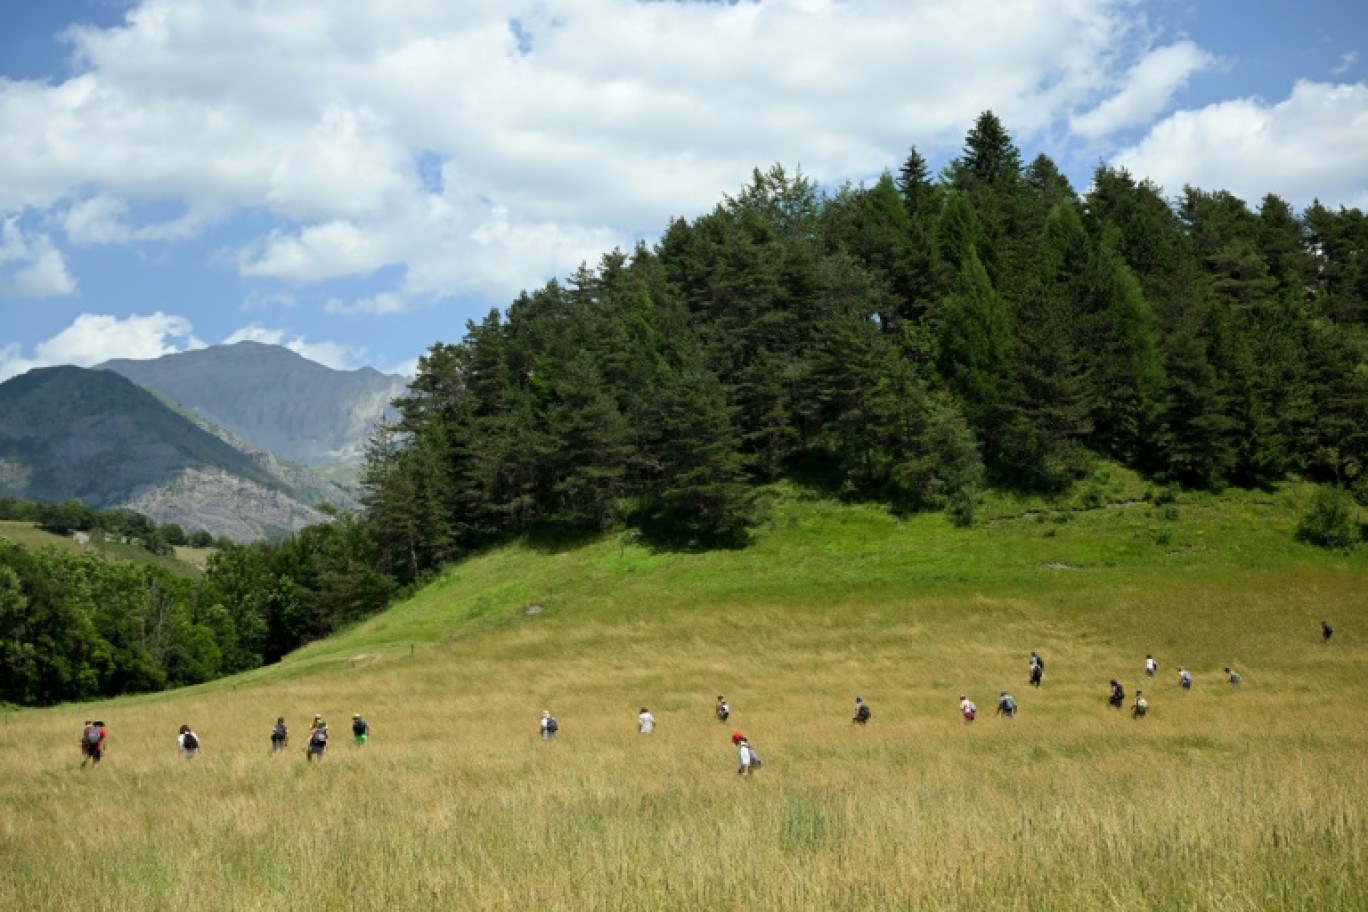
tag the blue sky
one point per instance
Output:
(356, 179)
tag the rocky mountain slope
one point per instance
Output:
(67, 432)
(285, 403)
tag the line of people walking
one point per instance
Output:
(95, 735)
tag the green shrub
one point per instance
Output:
(1330, 522)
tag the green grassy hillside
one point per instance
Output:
(1231, 798)
(186, 562)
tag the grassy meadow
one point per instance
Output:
(185, 562)
(1249, 798)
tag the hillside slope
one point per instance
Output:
(1222, 797)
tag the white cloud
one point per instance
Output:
(1346, 63)
(329, 354)
(407, 368)
(619, 115)
(1309, 145)
(95, 338)
(380, 304)
(31, 267)
(104, 219)
(1146, 90)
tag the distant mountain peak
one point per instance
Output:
(274, 397)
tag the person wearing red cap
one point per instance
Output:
(746, 758)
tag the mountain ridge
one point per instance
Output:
(98, 437)
(279, 400)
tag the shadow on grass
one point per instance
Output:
(556, 538)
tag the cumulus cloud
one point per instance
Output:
(95, 338)
(1309, 145)
(104, 219)
(31, 266)
(483, 146)
(329, 354)
(1145, 91)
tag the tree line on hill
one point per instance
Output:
(910, 342)
(76, 626)
(73, 516)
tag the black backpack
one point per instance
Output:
(552, 725)
(358, 726)
(190, 742)
(278, 732)
(862, 713)
(319, 736)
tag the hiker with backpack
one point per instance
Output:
(549, 726)
(188, 742)
(723, 710)
(1006, 705)
(1037, 671)
(1233, 677)
(1151, 666)
(645, 721)
(1140, 706)
(280, 736)
(318, 740)
(1117, 695)
(360, 730)
(967, 708)
(1184, 679)
(861, 712)
(97, 742)
(89, 735)
(747, 760)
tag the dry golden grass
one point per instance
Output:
(1223, 798)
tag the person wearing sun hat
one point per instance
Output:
(360, 730)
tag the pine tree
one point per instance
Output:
(976, 348)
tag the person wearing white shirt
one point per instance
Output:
(188, 742)
(645, 721)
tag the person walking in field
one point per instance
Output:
(1151, 666)
(645, 721)
(861, 712)
(723, 710)
(747, 760)
(90, 736)
(1117, 695)
(1184, 679)
(549, 726)
(188, 742)
(99, 742)
(967, 708)
(360, 730)
(280, 736)
(1327, 632)
(1006, 705)
(318, 740)
(1037, 670)
(1140, 706)
(1233, 677)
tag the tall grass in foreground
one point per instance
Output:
(1223, 798)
